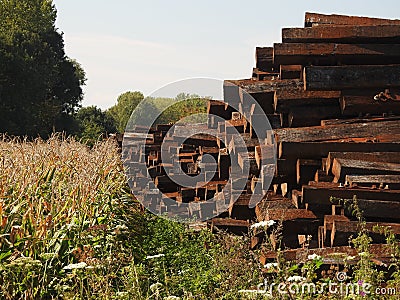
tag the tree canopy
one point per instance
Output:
(40, 87)
(93, 124)
(122, 110)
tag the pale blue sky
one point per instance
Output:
(143, 45)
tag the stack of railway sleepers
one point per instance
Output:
(332, 93)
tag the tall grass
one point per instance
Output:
(59, 200)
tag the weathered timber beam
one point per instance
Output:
(273, 202)
(380, 34)
(286, 214)
(264, 58)
(312, 19)
(215, 107)
(319, 194)
(321, 176)
(315, 150)
(262, 75)
(293, 71)
(265, 86)
(266, 102)
(357, 120)
(333, 54)
(376, 209)
(342, 167)
(390, 157)
(350, 77)
(296, 198)
(305, 170)
(336, 132)
(247, 160)
(304, 116)
(230, 225)
(329, 219)
(342, 230)
(355, 226)
(236, 91)
(275, 120)
(284, 100)
(264, 154)
(356, 105)
(393, 181)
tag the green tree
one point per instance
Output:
(40, 87)
(93, 124)
(182, 106)
(122, 111)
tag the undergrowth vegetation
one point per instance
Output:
(70, 229)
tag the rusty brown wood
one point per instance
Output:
(264, 58)
(286, 214)
(350, 77)
(331, 54)
(336, 132)
(321, 176)
(305, 170)
(342, 167)
(273, 202)
(262, 75)
(379, 34)
(356, 105)
(389, 157)
(264, 154)
(266, 86)
(317, 19)
(342, 230)
(358, 120)
(355, 226)
(226, 223)
(284, 100)
(377, 209)
(328, 222)
(292, 71)
(315, 150)
(318, 195)
(393, 181)
(306, 116)
(296, 198)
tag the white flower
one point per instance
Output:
(155, 256)
(314, 257)
(351, 257)
(80, 265)
(172, 298)
(121, 227)
(271, 265)
(295, 278)
(263, 224)
(155, 287)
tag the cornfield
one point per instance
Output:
(60, 202)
